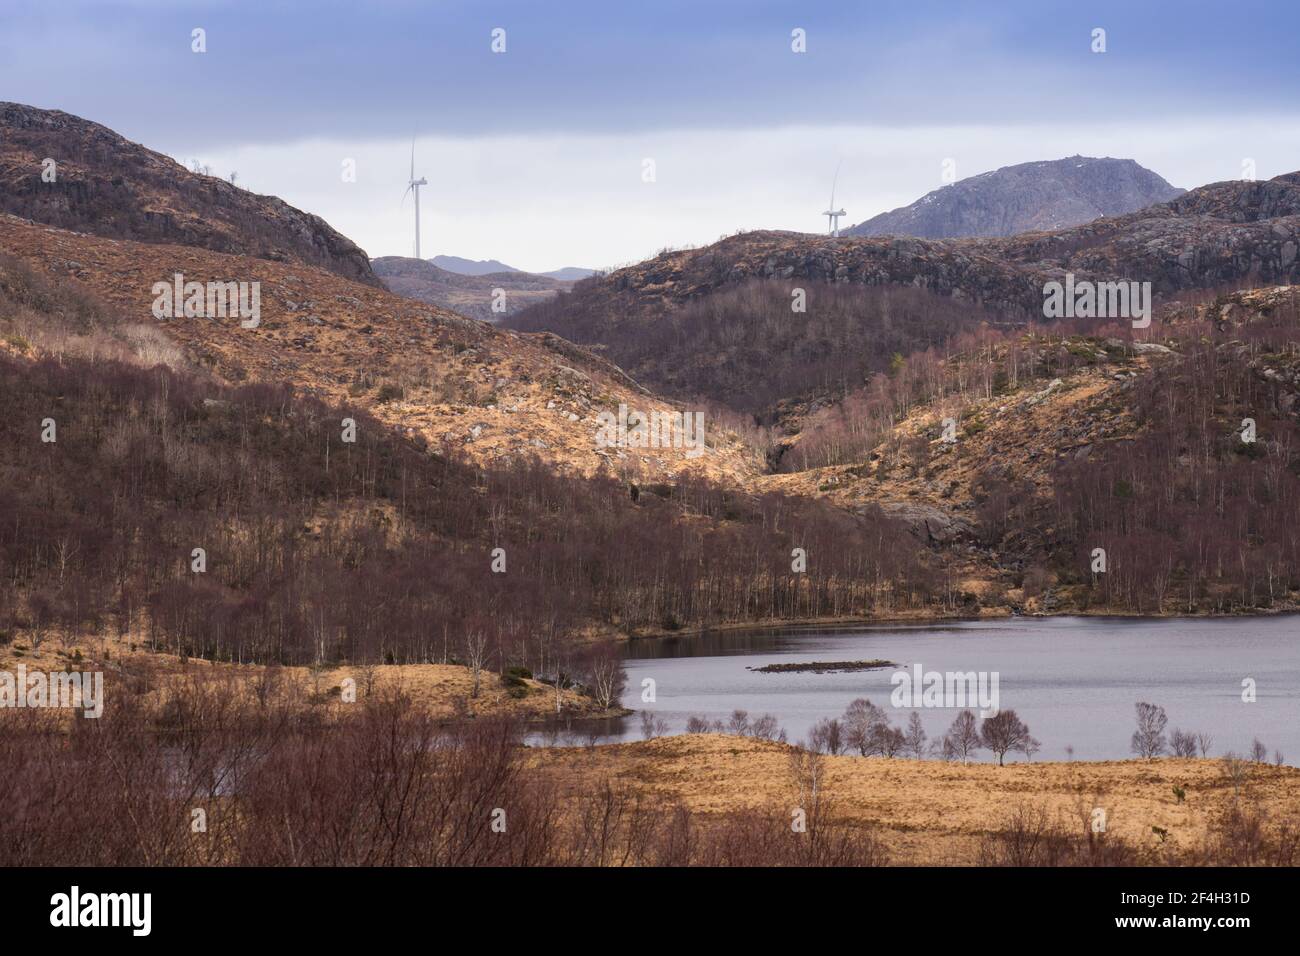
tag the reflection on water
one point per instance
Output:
(1074, 681)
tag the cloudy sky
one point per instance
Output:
(536, 155)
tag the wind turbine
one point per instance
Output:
(414, 187)
(832, 213)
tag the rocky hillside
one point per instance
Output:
(435, 375)
(1232, 234)
(108, 186)
(1021, 453)
(1235, 233)
(1026, 197)
(471, 295)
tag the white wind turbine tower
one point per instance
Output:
(414, 187)
(832, 213)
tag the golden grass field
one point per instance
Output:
(931, 812)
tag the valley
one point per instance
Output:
(714, 500)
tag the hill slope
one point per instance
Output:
(1028, 196)
(428, 371)
(108, 186)
(652, 318)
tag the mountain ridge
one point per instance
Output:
(471, 295)
(1033, 196)
(481, 267)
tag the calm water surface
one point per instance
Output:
(1074, 681)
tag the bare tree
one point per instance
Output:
(476, 645)
(767, 728)
(826, 737)
(1203, 743)
(1002, 732)
(889, 741)
(739, 723)
(1258, 752)
(700, 725)
(368, 673)
(605, 676)
(860, 722)
(1149, 738)
(808, 771)
(1030, 746)
(652, 725)
(1236, 770)
(964, 735)
(1182, 743)
(914, 739)
(943, 748)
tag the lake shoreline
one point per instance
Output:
(926, 619)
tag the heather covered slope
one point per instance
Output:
(108, 186)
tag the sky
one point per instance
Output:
(540, 155)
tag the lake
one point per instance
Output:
(1074, 681)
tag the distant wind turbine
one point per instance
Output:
(832, 213)
(414, 187)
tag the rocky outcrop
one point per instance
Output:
(927, 523)
(108, 186)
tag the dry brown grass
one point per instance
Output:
(445, 691)
(931, 812)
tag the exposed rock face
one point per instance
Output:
(1226, 233)
(470, 295)
(108, 186)
(1028, 196)
(930, 524)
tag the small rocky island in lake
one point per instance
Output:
(821, 667)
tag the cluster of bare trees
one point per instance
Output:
(1150, 740)
(739, 724)
(236, 524)
(866, 728)
(746, 347)
(1191, 515)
